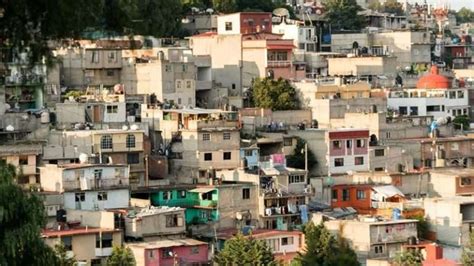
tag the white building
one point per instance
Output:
(88, 186)
(433, 96)
(304, 37)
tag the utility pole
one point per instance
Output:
(306, 157)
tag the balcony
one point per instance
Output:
(119, 147)
(278, 64)
(203, 85)
(103, 252)
(89, 184)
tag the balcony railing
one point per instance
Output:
(200, 124)
(203, 85)
(119, 147)
(279, 63)
(410, 205)
(89, 184)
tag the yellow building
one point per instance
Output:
(24, 158)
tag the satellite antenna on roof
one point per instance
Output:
(210, 10)
(281, 12)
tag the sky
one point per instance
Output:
(455, 4)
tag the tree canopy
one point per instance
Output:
(465, 15)
(322, 248)
(467, 257)
(409, 258)
(241, 250)
(121, 256)
(343, 15)
(274, 94)
(461, 122)
(63, 258)
(21, 219)
(297, 159)
(390, 6)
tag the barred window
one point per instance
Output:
(106, 142)
(130, 142)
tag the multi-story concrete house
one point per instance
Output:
(228, 205)
(25, 158)
(198, 140)
(155, 222)
(88, 186)
(371, 238)
(259, 53)
(445, 151)
(170, 252)
(304, 36)
(450, 220)
(451, 182)
(434, 95)
(88, 245)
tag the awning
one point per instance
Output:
(388, 191)
(202, 190)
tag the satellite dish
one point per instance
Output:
(238, 216)
(134, 127)
(124, 127)
(10, 128)
(281, 12)
(210, 10)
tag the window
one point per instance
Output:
(226, 135)
(228, 26)
(104, 240)
(277, 56)
(433, 108)
(233, 86)
(130, 141)
(413, 110)
(452, 94)
(359, 160)
(97, 174)
(80, 197)
(106, 142)
(112, 109)
(379, 152)
(23, 160)
(338, 162)
(250, 22)
(178, 84)
(336, 144)
(112, 57)
(151, 253)
(345, 194)
(185, 67)
(466, 181)
(189, 84)
(334, 195)
(378, 249)
(286, 241)
(248, 153)
(133, 158)
(287, 142)
(360, 143)
(206, 136)
(182, 194)
(168, 68)
(167, 253)
(110, 73)
(349, 144)
(207, 196)
(246, 193)
(360, 194)
(102, 196)
(402, 110)
(227, 156)
(95, 57)
(296, 179)
(460, 94)
(174, 220)
(67, 242)
(208, 156)
(167, 195)
(379, 169)
(195, 250)
(179, 100)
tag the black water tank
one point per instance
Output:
(61, 216)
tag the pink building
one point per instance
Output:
(348, 150)
(170, 252)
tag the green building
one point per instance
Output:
(200, 203)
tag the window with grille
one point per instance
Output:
(227, 156)
(206, 136)
(112, 109)
(106, 142)
(360, 194)
(338, 162)
(102, 196)
(359, 160)
(226, 135)
(130, 141)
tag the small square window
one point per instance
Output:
(360, 143)
(228, 26)
(208, 156)
(226, 135)
(287, 142)
(339, 162)
(248, 153)
(334, 195)
(23, 160)
(345, 195)
(336, 144)
(359, 160)
(167, 195)
(102, 196)
(360, 194)
(80, 197)
(182, 194)
(227, 156)
(349, 144)
(379, 152)
(206, 137)
(133, 158)
(466, 181)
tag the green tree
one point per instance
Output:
(241, 250)
(343, 15)
(393, 7)
(121, 256)
(465, 15)
(297, 159)
(322, 248)
(422, 226)
(63, 258)
(461, 120)
(409, 258)
(274, 94)
(225, 6)
(467, 257)
(21, 219)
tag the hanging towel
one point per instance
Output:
(280, 225)
(304, 213)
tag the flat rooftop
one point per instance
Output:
(168, 243)
(47, 233)
(257, 233)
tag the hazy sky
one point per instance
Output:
(455, 4)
